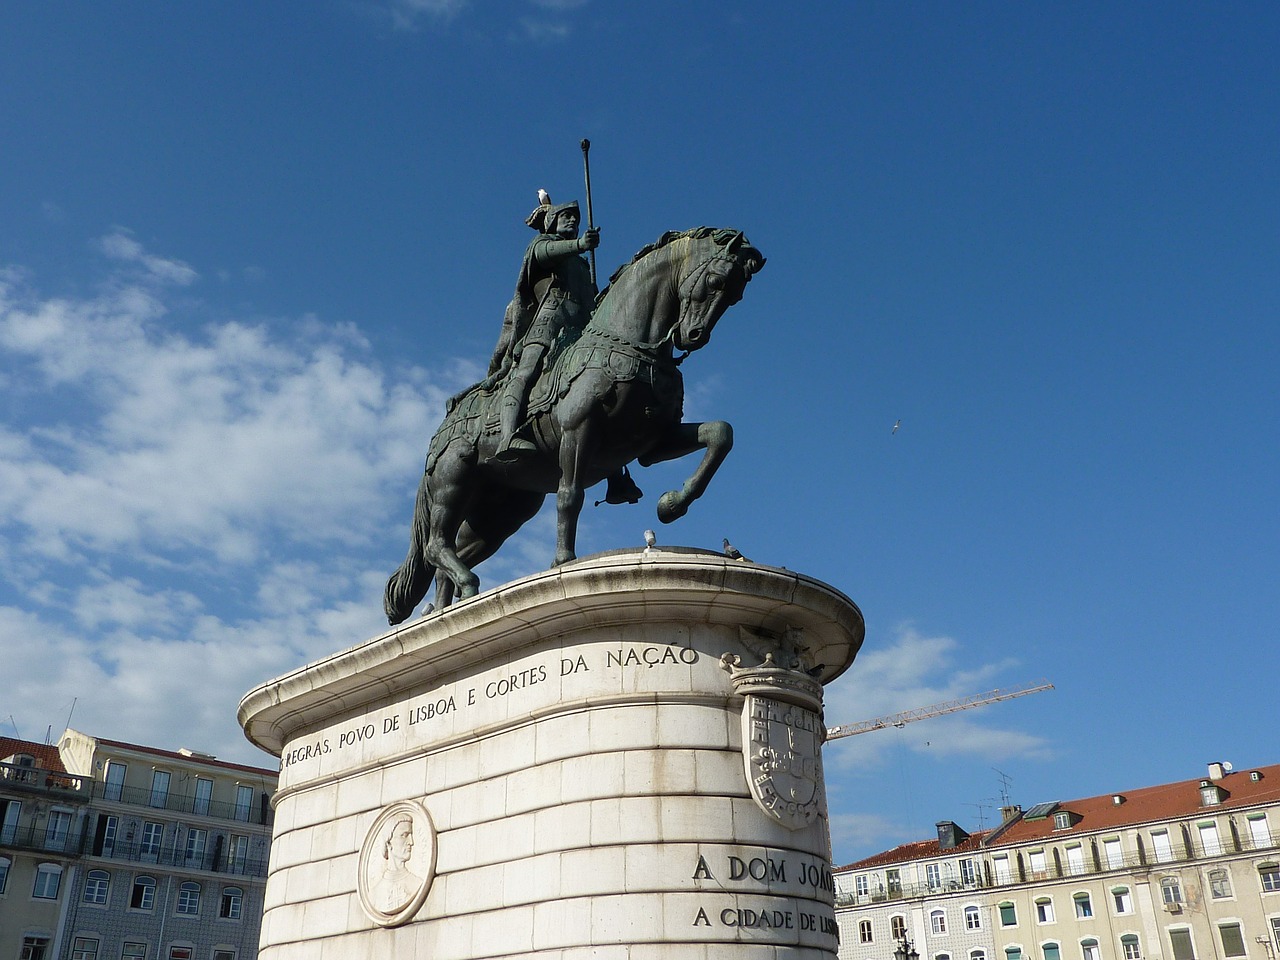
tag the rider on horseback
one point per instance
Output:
(552, 304)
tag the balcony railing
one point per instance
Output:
(45, 781)
(257, 813)
(139, 852)
(38, 837)
(1131, 862)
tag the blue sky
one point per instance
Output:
(248, 249)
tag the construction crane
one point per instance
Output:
(936, 710)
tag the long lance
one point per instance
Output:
(591, 220)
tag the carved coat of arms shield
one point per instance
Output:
(782, 747)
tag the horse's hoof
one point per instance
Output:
(671, 507)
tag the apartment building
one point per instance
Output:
(121, 851)
(1179, 871)
(42, 811)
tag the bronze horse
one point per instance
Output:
(613, 396)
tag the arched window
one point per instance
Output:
(1130, 947)
(972, 918)
(977, 955)
(1051, 951)
(938, 921)
(232, 903)
(96, 886)
(1089, 949)
(1171, 890)
(898, 927)
(189, 899)
(1219, 884)
(1083, 905)
(1044, 910)
(864, 931)
(48, 879)
(1008, 915)
(143, 895)
(1013, 952)
(1124, 902)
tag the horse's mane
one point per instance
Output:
(721, 235)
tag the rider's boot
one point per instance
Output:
(511, 447)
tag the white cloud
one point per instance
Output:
(188, 511)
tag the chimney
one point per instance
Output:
(950, 836)
(1010, 812)
(1216, 771)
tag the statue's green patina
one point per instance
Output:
(572, 398)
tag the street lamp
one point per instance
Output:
(905, 951)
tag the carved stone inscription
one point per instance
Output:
(792, 890)
(423, 712)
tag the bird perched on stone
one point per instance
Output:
(544, 198)
(732, 552)
(650, 538)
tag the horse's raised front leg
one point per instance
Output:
(715, 436)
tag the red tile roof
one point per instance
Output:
(916, 850)
(46, 754)
(1169, 801)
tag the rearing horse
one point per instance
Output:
(615, 395)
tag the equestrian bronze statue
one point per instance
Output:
(595, 399)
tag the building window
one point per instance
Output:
(977, 955)
(233, 901)
(1129, 947)
(1008, 914)
(897, 927)
(942, 956)
(1209, 841)
(84, 948)
(1270, 874)
(113, 786)
(34, 948)
(860, 885)
(1037, 863)
(932, 876)
(1013, 953)
(56, 829)
(864, 931)
(159, 789)
(1001, 865)
(1275, 929)
(1180, 940)
(133, 951)
(1163, 848)
(204, 793)
(180, 953)
(223, 953)
(143, 896)
(938, 921)
(196, 840)
(1171, 890)
(238, 854)
(104, 837)
(1219, 884)
(972, 918)
(48, 879)
(1124, 902)
(1089, 949)
(1232, 939)
(1062, 820)
(244, 803)
(1044, 910)
(189, 899)
(96, 884)
(1075, 860)
(1084, 906)
(967, 875)
(4, 872)
(893, 880)
(152, 833)
(1051, 951)
(1258, 832)
(1112, 854)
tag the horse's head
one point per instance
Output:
(713, 275)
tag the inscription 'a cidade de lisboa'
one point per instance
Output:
(512, 682)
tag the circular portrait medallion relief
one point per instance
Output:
(397, 863)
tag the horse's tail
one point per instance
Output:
(409, 584)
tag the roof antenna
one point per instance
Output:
(15, 726)
(71, 712)
(1005, 781)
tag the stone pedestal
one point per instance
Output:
(556, 769)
